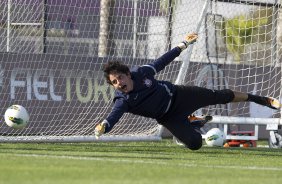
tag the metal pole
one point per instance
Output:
(134, 46)
(274, 43)
(8, 26)
(170, 24)
(44, 26)
(104, 28)
(185, 64)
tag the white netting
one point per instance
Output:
(51, 54)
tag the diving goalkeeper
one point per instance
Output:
(138, 92)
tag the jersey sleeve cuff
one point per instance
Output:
(105, 122)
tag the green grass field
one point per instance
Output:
(136, 162)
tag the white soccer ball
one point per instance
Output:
(215, 137)
(16, 116)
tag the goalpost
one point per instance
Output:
(52, 52)
(242, 48)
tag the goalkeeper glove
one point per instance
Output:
(100, 129)
(189, 39)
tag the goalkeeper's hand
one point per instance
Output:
(189, 39)
(100, 129)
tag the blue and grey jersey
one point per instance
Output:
(149, 97)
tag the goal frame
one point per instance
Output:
(272, 123)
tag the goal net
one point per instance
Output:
(52, 52)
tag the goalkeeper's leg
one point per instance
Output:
(262, 100)
(193, 98)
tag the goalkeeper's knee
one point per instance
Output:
(195, 144)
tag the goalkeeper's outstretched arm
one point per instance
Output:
(120, 107)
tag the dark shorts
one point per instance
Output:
(187, 100)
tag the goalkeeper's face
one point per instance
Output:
(121, 82)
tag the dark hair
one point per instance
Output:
(113, 67)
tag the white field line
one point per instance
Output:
(118, 160)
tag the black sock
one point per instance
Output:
(258, 99)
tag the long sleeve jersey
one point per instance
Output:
(149, 97)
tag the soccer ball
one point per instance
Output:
(16, 116)
(215, 137)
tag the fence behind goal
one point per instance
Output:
(52, 52)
